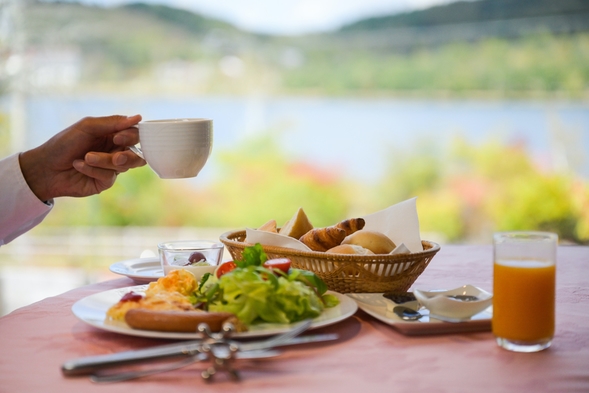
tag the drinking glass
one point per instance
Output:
(524, 281)
(196, 256)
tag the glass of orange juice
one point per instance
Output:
(524, 281)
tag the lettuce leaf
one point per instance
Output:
(255, 297)
(252, 256)
(255, 294)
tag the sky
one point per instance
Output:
(289, 17)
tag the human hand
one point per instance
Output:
(84, 159)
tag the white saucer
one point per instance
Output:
(140, 270)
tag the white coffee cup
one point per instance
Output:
(175, 148)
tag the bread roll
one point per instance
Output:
(322, 239)
(297, 226)
(349, 249)
(270, 226)
(352, 225)
(376, 242)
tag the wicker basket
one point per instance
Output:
(348, 273)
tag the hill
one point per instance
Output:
(190, 21)
(132, 43)
(506, 47)
(473, 12)
(468, 21)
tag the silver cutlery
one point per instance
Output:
(86, 365)
(191, 349)
(216, 347)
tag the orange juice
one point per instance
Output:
(524, 300)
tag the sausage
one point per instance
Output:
(176, 321)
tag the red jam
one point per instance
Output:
(131, 297)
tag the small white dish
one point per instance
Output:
(140, 270)
(441, 303)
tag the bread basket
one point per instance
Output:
(345, 273)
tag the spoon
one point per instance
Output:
(407, 314)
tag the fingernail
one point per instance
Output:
(121, 159)
(91, 158)
(118, 139)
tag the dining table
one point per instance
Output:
(368, 356)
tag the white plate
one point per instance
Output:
(375, 305)
(92, 310)
(140, 270)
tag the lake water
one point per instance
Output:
(355, 136)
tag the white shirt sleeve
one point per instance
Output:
(20, 209)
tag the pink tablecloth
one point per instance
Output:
(369, 357)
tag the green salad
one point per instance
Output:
(257, 290)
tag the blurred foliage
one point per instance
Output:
(477, 190)
(538, 64)
(463, 196)
(257, 184)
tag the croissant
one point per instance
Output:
(351, 225)
(322, 239)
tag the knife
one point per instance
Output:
(89, 364)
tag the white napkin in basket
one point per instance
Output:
(266, 238)
(399, 222)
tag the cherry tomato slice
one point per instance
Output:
(225, 268)
(282, 264)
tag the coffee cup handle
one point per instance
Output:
(137, 151)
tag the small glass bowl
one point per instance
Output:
(206, 256)
(457, 303)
